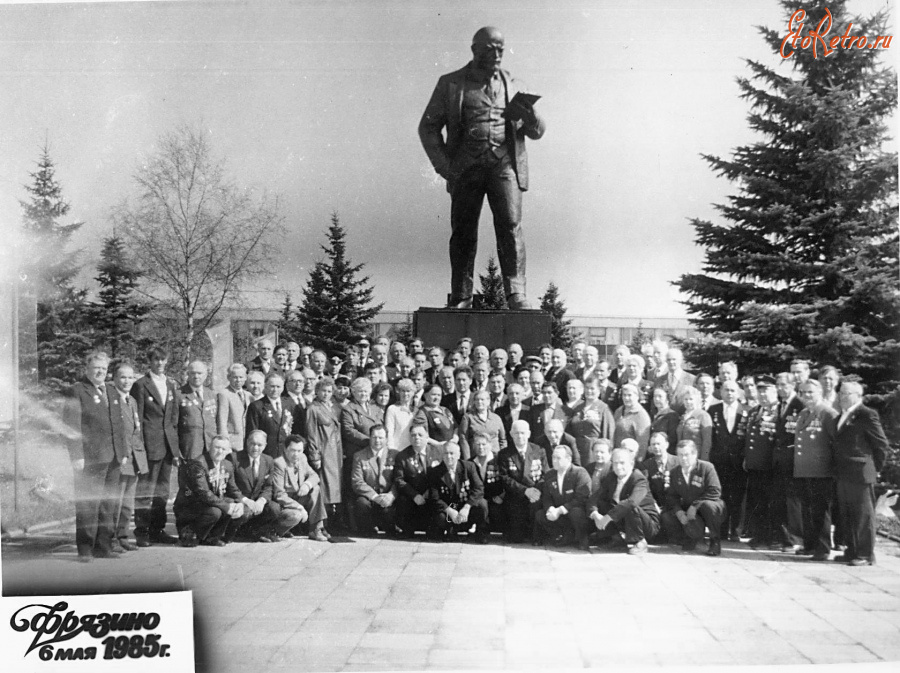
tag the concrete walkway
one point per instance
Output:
(388, 605)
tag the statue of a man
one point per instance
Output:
(483, 154)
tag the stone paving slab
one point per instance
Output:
(380, 604)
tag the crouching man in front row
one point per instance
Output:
(296, 489)
(457, 499)
(562, 516)
(693, 501)
(208, 508)
(622, 508)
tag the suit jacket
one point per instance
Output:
(200, 484)
(683, 381)
(159, 422)
(785, 428)
(451, 402)
(355, 426)
(88, 414)
(256, 365)
(814, 442)
(635, 493)
(196, 422)
(466, 489)
(860, 447)
(759, 442)
(520, 472)
(127, 438)
(364, 476)
(264, 484)
(490, 477)
(541, 414)
(576, 489)
(298, 426)
(286, 482)
(597, 472)
(727, 450)
(658, 476)
(561, 378)
(608, 395)
(261, 415)
(231, 415)
(444, 109)
(589, 422)
(702, 484)
(411, 478)
(506, 417)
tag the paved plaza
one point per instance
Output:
(382, 604)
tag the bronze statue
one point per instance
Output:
(483, 154)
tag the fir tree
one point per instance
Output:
(335, 308)
(560, 328)
(47, 271)
(287, 321)
(116, 317)
(805, 263)
(493, 297)
(639, 339)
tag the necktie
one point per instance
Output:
(277, 406)
(255, 468)
(421, 459)
(382, 482)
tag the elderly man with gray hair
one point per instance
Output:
(522, 466)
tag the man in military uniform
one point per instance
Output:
(483, 154)
(456, 498)
(197, 414)
(693, 501)
(759, 449)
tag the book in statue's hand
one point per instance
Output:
(522, 98)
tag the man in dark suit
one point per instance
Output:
(554, 436)
(372, 482)
(95, 461)
(460, 401)
(787, 510)
(562, 516)
(273, 414)
(514, 409)
(599, 465)
(759, 449)
(208, 507)
(254, 475)
(522, 466)
(729, 426)
(456, 498)
(560, 373)
(657, 467)
(294, 383)
(549, 408)
(693, 501)
(411, 467)
(860, 449)
(197, 414)
(126, 428)
(483, 153)
(263, 361)
(622, 507)
(158, 404)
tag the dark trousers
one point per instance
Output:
(857, 506)
(369, 515)
(314, 504)
(151, 496)
(574, 523)
(209, 523)
(273, 519)
(411, 517)
(786, 511)
(813, 498)
(438, 525)
(637, 525)
(519, 517)
(734, 488)
(127, 487)
(760, 523)
(498, 182)
(710, 514)
(96, 505)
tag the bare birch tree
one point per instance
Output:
(197, 236)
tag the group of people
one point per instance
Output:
(553, 448)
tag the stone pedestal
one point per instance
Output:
(495, 329)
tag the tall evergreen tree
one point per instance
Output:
(335, 308)
(493, 297)
(47, 268)
(116, 317)
(805, 262)
(560, 328)
(287, 321)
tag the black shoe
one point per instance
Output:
(804, 552)
(843, 558)
(819, 556)
(688, 545)
(142, 540)
(583, 544)
(715, 548)
(213, 542)
(162, 537)
(861, 562)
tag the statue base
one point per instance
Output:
(444, 327)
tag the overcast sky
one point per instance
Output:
(320, 102)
